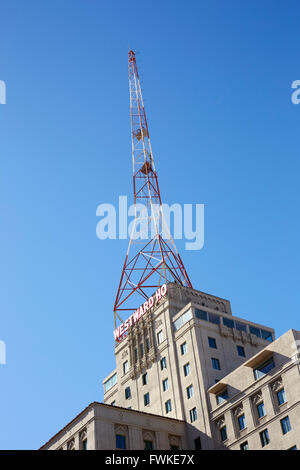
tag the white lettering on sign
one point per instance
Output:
(154, 299)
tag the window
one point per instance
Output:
(241, 351)
(142, 349)
(165, 385)
(190, 391)
(242, 422)
(110, 383)
(212, 318)
(241, 326)
(146, 399)
(264, 437)
(186, 369)
(120, 441)
(183, 349)
(261, 410)
(125, 367)
(145, 379)
(223, 433)
(163, 363)
(212, 343)
(254, 331)
(168, 406)
(197, 443)
(127, 393)
(147, 344)
(281, 397)
(148, 445)
(244, 446)
(201, 314)
(160, 337)
(228, 322)
(84, 444)
(285, 425)
(135, 354)
(182, 320)
(215, 363)
(221, 397)
(266, 335)
(193, 414)
(264, 368)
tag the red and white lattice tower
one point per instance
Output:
(153, 261)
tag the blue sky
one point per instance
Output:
(216, 79)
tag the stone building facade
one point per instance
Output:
(178, 362)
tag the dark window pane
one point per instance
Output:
(266, 335)
(241, 326)
(212, 343)
(212, 318)
(197, 443)
(264, 368)
(285, 425)
(281, 397)
(223, 396)
(120, 441)
(255, 331)
(201, 314)
(241, 351)
(148, 445)
(223, 433)
(228, 322)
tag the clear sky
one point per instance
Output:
(216, 79)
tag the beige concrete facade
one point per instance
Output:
(97, 428)
(175, 365)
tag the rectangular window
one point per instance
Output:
(147, 344)
(85, 444)
(264, 437)
(244, 446)
(127, 393)
(190, 391)
(201, 314)
(223, 433)
(281, 397)
(215, 363)
(266, 335)
(182, 320)
(160, 337)
(264, 368)
(110, 383)
(228, 322)
(148, 445)
(285, 425)
(254, 331)
(163, 363)
(142, 349)
(165, 385)
(125, 367)
(183, 349)
(261, 410)
(212, 343)
(221, 397)
(145, 379)
(241, 351)
(242, 422)
(135, 354)
(212, 318)
(120, 441)
(241, 326)
(186, 369)
(197, 443)
(168, 406)
(193, 414)
(146, 399)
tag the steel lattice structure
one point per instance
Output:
(150, 262)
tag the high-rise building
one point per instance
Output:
(191, 375)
